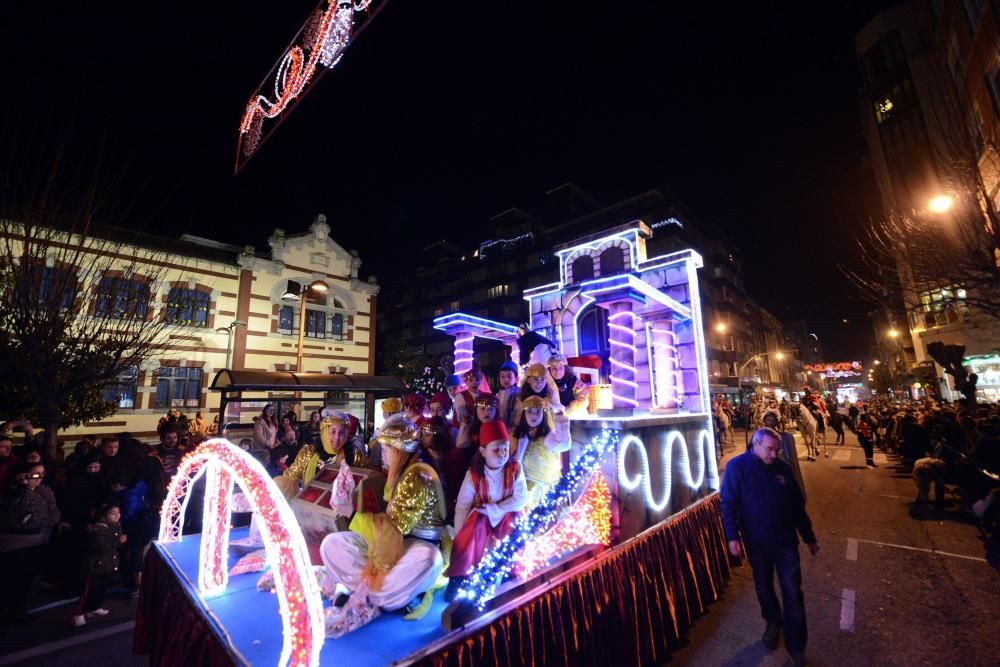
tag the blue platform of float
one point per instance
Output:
(249, 621)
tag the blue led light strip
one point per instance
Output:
(498, 562)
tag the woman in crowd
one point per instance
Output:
(27, 517)
(265, 433)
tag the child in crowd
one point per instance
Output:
(468, 434)
(279, 461)
(493, 493)
(438, 450)
(507, 396)
(440, 406)
(865, 440)
(104, 537)
(464, 401)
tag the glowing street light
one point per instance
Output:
(893, 333)
(941, 204)
(721, 327)
(876, 362)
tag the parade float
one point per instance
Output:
(612, 564)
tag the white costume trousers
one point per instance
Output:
(345, 555)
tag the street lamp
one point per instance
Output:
(779, 354)
(720, 327)
(941, 203)
(229, 337)
(297, 291)
(893, 333)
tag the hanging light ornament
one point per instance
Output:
(323, 39)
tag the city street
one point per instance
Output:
(885, 589)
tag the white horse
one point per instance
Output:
(725, 424)
(807, 427)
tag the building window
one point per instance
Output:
(337, 327)
(714, 368)
(177, 386)
(612, 261)
(121, 393)
(59, 283)
(315, 324)
(883, 109)
(122, 298)
(286, 319)
(187, 306)
(583, 268)
(454, 306)
(941, 307)
(438, 312)
(497, 291)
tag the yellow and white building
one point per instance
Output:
(233, 314)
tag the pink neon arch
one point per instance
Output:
(299, 597)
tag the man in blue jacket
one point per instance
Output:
(763, 505)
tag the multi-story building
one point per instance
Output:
(489, 280)
(931, 116)
(227, 309)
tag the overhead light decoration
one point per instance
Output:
(499, 561)
(320, 42)
(300, 602)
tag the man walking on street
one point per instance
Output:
(763, 505)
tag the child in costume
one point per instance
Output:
(440, 406)
(507, 396)
(493, 493)
(465, 400)
(538, 382)
(572, 392)
(537, 444)
(336, 446)
(386, 560)
(438, 450)
(485, 406)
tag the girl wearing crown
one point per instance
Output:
(537, 443)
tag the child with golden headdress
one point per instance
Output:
(537, 443)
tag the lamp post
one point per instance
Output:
(295, 290)
(779, 355)
(229, 337)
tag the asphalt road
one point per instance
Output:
(887, 588)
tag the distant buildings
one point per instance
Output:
(931, 115)
(489, 281)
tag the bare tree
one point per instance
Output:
(76, 301)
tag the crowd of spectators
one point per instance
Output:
(55, 515)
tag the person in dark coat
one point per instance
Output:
(104, 537)
(763, 509)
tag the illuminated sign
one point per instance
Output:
(842, 369)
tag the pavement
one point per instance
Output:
(886, 588)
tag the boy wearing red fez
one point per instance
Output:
(492, 495)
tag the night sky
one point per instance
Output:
(442, 115)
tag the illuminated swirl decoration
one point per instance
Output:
(222, 463)
(705, 455)
(324, 38)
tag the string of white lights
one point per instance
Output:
(706, 462)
